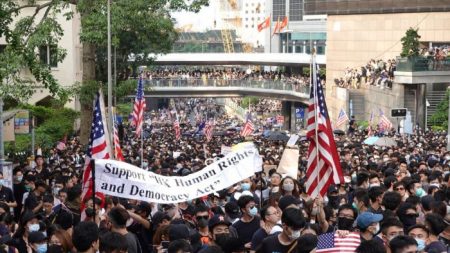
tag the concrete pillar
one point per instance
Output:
(421, 105)
(286, 111)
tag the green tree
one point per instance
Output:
(410, 43)
(24, 38)
(139, 27)
(439, 119)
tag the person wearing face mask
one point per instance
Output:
(37, 242)
(28, 223)
(289, 187)
(249, 222)
(407, 214)
(201, 221)
(390, 228)
(420, 233)
(292, 222)
(346, 217)
(19, 190)
(369, 225)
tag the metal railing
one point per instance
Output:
(420, 63)
(243, 83)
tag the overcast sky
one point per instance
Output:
(200, 21)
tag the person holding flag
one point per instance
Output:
(323, 167)
(176, 128)
(99, 148)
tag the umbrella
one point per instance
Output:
(278, 136)
(385, 142)
(339, 132)
(219, 133)
(371, 140)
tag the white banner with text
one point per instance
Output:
(120, 179)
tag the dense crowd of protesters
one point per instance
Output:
(225, 77)
(396, 199)
(376, 73)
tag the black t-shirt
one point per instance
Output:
(272, 245)
(143, 236)
(258, 237)
(32, 201)
(246, 230)
(436, 246)
(6, 194)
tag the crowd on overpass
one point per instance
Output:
(226, 76)
(377, 73)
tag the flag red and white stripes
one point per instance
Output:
(384, 123)
(248, 128)
(323, 166)
(98, 149)
(209, 128)
(342, 118)
(139, 108)
(117, 149)
(176, 127)
(333, 243)
(369, 127)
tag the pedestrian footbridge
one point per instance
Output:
(186, 88)
(264, 59)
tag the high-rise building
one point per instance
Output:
(302, 32)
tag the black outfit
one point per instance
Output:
(258, 237)
(19, 190)
(6, 195)
(272, 245)
(246, 230)
(143, 235)
(32, 201)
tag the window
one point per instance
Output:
(295, 10)
(48, 55)
(279, 9)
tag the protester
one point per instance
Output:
(387, 192)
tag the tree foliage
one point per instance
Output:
(52, 124)
(439, 119)
(410, 43)
(24, 37)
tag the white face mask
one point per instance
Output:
(295, 235)
(377, 228)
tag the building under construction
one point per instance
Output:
(208, 42)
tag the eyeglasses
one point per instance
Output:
(399, 189)
(273, 213)
(205, 217)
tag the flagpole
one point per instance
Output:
(316, 112)
(142, 144)
(93, 185)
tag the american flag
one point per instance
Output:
(342, 118)
(248, 127)
(176, 127)
(209, 128)
(333, 243)
(384, 123)
(117, 149)
(98, 149)
(369, 127)
(323, 166)
(139, 108)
